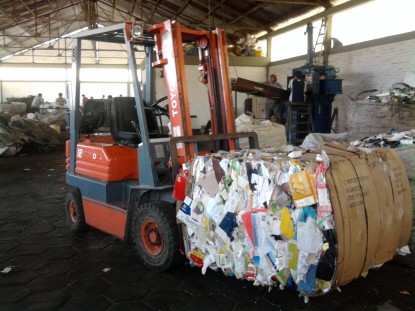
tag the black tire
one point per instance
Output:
(156, 237)
(74, 211)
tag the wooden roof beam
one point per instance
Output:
(246, 14)
(211, 11)
(182, 8)
(153, 10)
(122, 12)
(132, 7)
(299, 2)
(43, 14)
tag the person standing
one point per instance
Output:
(36, 103)
(60, 101)
(273, 107)
(297, 123)
(297, 87)
(84, 100)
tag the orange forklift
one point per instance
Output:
(121, 163)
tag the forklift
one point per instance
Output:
(125, 181)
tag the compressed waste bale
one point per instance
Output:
(13, 108)
(314, 140)
(245, 214)
(269, 133)
(22, 99)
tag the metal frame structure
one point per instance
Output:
(116, 34)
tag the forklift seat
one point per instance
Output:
(122, 113)
(95, 115)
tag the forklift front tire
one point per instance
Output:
(74, 211)
(156, 236)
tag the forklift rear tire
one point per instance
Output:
(156, 236)
(74, 211)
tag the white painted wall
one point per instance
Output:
(371, 68)
(114, 82)
(376, 67)
(49, 90)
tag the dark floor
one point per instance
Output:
(55, 270)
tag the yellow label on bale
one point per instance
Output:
(287, 227)
(206, 221)
(197, 254)
(292, 255)
(302, 187)
(197, 257)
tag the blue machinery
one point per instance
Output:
(322, 87)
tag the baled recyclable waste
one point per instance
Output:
(310, 224)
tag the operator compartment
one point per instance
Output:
(107, 148)
(108, 145)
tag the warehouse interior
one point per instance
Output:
(355, 62)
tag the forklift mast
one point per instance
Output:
(167, 38)
(213, 65)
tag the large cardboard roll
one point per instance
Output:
(374, 186)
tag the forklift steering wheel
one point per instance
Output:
(164, 110)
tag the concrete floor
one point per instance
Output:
(52, 269)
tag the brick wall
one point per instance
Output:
(377, 64)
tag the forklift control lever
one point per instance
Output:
(137, 130)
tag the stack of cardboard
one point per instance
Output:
(308, 224)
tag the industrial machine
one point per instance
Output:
(322, 86)
(123, 179)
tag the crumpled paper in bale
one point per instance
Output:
(237, 222)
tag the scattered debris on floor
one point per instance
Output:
(7, 269)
